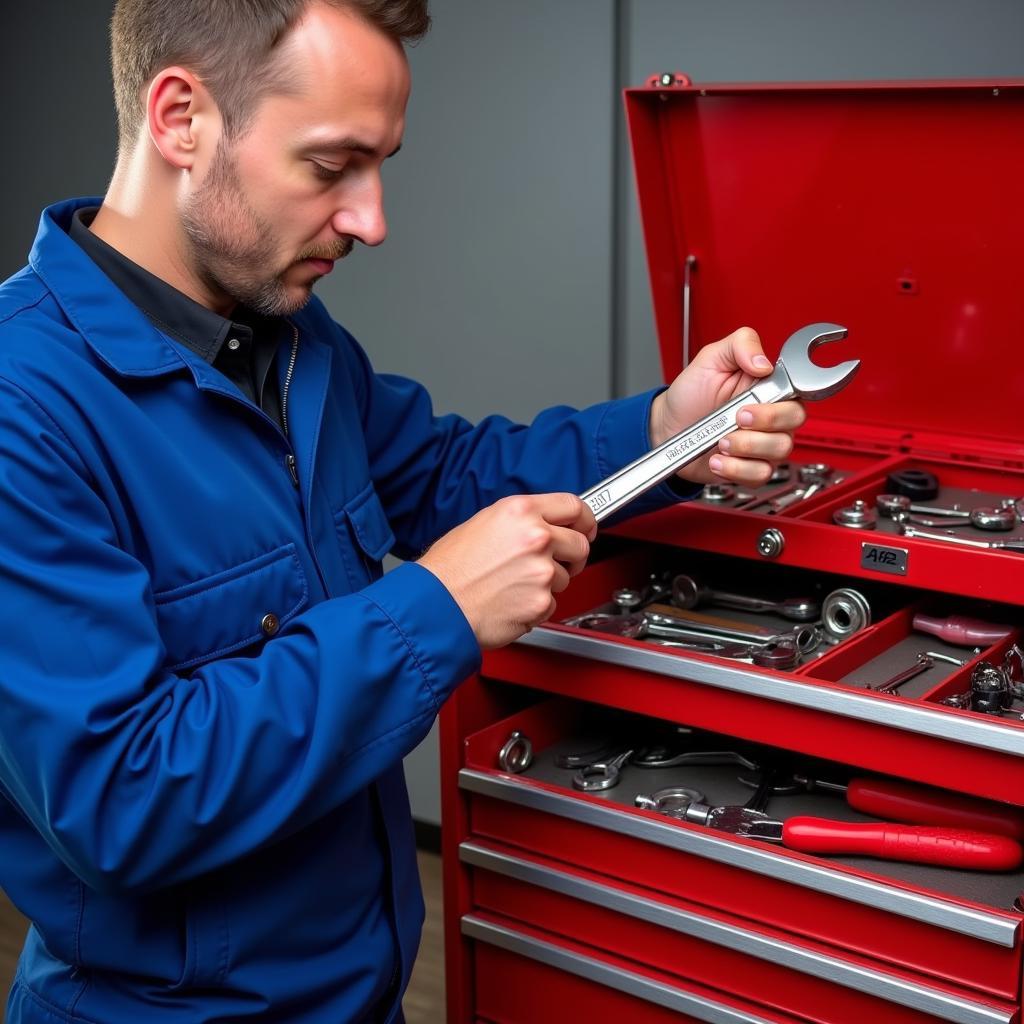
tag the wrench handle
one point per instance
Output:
(641, 475)
(922, 805)
(917, 844)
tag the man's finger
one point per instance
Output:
(772, 416)
(564, 509)
(753, 444)
(741, 349)
(569, 546)
(750, 472)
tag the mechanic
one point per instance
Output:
(207, 686)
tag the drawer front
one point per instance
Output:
(945, 936)
(527, 977)
(910, 739)
(765, 969)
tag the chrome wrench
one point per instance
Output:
(794, 376)
(949, 538)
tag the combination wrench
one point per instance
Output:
(949, 538)
(794, 376)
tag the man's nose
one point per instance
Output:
(363, 218)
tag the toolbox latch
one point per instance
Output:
(670, 80)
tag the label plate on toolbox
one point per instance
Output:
(882, 559)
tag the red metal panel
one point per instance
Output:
(891, 209)
(476, 707)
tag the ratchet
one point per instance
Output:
(794, 376)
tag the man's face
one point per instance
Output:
(277, 207)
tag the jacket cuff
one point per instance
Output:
(431, 623)
(623, 435)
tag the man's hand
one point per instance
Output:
(503, 565)
(718, 373)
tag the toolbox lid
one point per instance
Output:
(895, 209)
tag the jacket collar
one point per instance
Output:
(117, 330)
(120, 334)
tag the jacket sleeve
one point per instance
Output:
(436, 472)
(138, 778)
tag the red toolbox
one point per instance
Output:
(894, 210)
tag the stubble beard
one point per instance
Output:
(232, 246)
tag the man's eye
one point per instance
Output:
(326, 173)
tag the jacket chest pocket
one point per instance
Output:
(365, 537)
(231, 610)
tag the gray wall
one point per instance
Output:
(797, 40)
(58, 129)
(514, 276)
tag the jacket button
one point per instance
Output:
(270, 624)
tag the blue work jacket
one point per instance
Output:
(206, 684)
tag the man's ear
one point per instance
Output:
(180, 112)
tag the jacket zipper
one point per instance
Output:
(290, 459)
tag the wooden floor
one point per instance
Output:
(12, 935)
(424, 1000)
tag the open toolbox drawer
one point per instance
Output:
(882, 940)
(823, 707)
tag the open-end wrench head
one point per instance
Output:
(810, 381)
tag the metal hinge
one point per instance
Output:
(670, 80)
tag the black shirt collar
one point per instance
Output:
(197, 328)
(243, 349)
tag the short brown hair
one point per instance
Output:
(229, 44)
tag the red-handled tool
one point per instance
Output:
(918, 844)
(923, 805)
(960, 629)
(956, 831)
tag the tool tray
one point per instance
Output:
(808, 527)
(893, 210)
